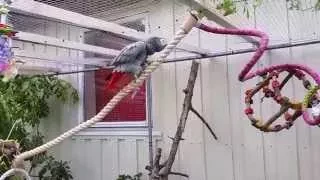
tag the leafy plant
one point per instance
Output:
(55, 170)
(23, 104)
(230, 7)
(128, 177)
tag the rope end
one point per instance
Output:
(190, 21)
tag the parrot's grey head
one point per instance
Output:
(155, 44)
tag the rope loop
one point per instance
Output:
(15, 171)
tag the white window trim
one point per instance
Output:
(115, 132)
(121, 124)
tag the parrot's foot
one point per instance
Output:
(148, 63)
(136, 76)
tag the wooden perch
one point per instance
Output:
(179, 174)
(162, 171)
(204, 122)
(187, 105)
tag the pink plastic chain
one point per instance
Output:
(271, 74)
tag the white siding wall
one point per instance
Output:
(242, 152)
(62, 116)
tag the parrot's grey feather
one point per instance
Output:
(129, 53)
(133, 68)
(133, 57)
(132, 61)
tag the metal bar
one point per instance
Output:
(34, 8)
(76, 61)
(32, 69)
(208, 9)
(213, 55)
(181, 46)
(74, 72)
(286, 80)
(46, 40)
(150, 121)
(241, 51)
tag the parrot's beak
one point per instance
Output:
(163, 42)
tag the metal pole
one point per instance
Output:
(210, 55)
(241, 51)
(74, 72)
(150, 121)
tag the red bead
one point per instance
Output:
(287, 117)
(248, 100)
(265, 89)
(275, 84)
(248, 92)
(248, 111)
(269, 94)
(275, 73)
(278, 99)
(299, 74)
(11, 34)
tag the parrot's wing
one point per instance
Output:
(129, 53)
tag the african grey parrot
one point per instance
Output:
(131, 62)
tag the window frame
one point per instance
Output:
(130, 124)
(148, 104)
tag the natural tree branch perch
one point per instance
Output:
(179, 174)
(156, 166)
(181, 139)
(183, 118)
(162, 171)
(204, 122)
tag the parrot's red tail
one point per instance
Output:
(118, 80)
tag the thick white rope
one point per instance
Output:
(11, 172)
(186, 27)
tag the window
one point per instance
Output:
(131, 110)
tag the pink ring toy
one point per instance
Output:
(245, 74)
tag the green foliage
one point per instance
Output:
(55, 170)
(26, 97)
(229, 7)
(128, 177)
(23, 103)
(294, 4)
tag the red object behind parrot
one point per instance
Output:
(118, 80)
(129, 109)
